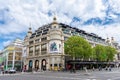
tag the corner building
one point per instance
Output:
(45, 47)
(12, 55)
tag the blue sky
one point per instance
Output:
(97, 16)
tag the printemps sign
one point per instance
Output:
(10, 48)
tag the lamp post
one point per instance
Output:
(21, 63)
(5, 61)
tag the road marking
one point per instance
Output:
(91, 79)
(70, 78)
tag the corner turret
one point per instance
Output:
(29, 32)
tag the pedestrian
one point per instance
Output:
(109, 68)
(100, 68)
(93, 68)
(106, 68)
(85, 69)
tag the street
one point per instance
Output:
(79, 75)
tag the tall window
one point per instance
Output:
(10, 57)
(37, 40)
(31, 42)
(18, 56)
(37, 49)
(30, 64)
(43, 39)
(66, 31)
(43, 48)
(30, 51)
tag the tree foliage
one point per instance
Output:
(110, 51)
(76, 46)
(104, 53)
(99, 51)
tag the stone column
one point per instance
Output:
(39, 64)
(13, 62)
(53, 62)
(27, 64)
(47, 64)
(58, 62)
(6, 63)
(63, 61)
(33, 50)
(33, 65)
(40, 49)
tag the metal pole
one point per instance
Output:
(21, 64)
(6, 59)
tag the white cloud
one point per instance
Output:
(6, 43)
(115, 5)
(23, 12)
(104, 31)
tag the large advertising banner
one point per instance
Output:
(55, 47)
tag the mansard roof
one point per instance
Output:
(62, 25)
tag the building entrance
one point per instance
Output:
(36, 64)
(43, 64)
(30, 65)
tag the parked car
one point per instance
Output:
(6, 71)
(12, 71)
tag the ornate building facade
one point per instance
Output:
(44, 48)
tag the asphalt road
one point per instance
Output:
(80, 75)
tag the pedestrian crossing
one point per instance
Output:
(96, 79)
(8, 74)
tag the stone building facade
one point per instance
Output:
(44, 48)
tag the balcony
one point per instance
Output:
(31, 42)
(44, 33)
(37, 52)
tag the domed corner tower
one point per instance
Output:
(28, 35)
(26, 48)
(56, 45)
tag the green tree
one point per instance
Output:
(110, 51)
(77, 46)
(93, 56)
(100, 53)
